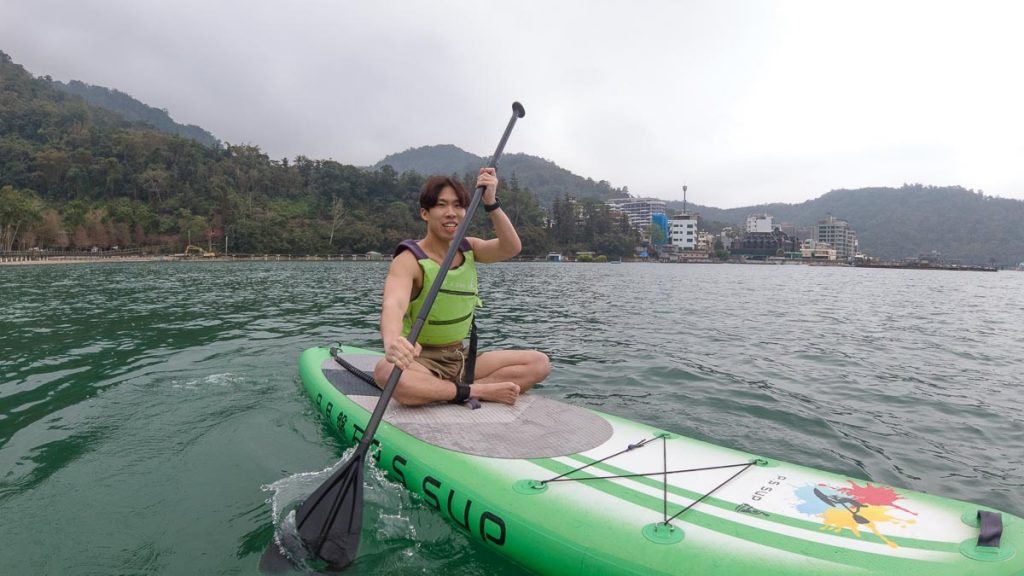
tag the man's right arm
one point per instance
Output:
(398, 289)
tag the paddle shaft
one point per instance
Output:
(428, 302)
(330, 520)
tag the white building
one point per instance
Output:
(682, 231)
(759, 223)
(839, 234)
(637, 210)
(814, 250)
(705, 241)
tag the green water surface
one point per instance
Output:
(144, 408)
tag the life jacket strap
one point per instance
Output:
(470, 368)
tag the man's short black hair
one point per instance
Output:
(432, 189)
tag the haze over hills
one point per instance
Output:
(96, 168)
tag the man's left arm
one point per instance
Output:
(506, 243)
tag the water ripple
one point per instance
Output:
(167, 393)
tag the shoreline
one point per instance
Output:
(361, 258)
(178, 258)
(55, 261)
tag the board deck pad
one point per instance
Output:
(535, 427)
(348, 383)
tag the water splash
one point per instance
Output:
(225, 379)
(288, 495)
(386, 506)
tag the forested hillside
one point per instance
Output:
(76, 176)
(134, 111)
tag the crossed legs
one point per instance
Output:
(501, 375)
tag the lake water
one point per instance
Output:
(151, 415)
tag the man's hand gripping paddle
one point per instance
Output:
(330, 520)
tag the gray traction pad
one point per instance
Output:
(535, 427)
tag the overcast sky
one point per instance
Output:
(746, 102)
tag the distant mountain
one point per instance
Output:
(891, 223)
(895, 223)
(543, 177)
(87, 174)
(134, 111)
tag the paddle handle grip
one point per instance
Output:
(460, 233)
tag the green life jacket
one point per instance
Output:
(451, 316)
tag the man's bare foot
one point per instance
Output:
(504, 392)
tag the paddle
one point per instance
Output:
(330, 520)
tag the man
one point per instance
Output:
(433, 369)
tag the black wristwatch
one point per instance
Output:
(492, 207)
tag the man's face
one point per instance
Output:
(444, 218)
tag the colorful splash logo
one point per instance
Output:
(853, 507)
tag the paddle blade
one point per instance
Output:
(330, 520)
(274, 561)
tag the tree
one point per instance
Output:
(337, 217)
(193, 228)
(19, 210)
(523, 210)
(656, 234)
(50, 232)
(563, 221)
(154, 181)
(99, 234)
(720, 252)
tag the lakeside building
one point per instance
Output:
(637, 210)
(683, 231)
(671, 253)
(764, 244)
(813, 250)
(705, 241)
(759, 223)
(661, 221)
(839, 235)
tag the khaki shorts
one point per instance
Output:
(444, 362)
